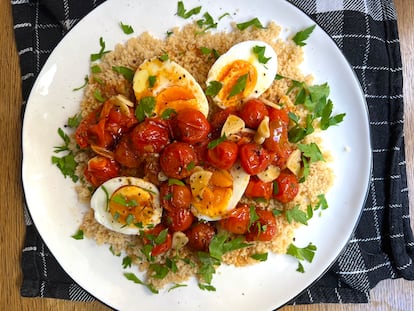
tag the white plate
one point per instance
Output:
(57, 213)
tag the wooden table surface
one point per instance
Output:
(387, 295)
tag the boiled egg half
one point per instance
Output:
(127, 205)
(245, 71)
(171, 85)
(216, 192)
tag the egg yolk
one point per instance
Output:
(213, 200)
(130, 205)
(175, 97)
(230, 76)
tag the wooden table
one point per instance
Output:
(388, 295)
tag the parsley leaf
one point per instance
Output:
(126, 72)
(160, 271)
(102, 52)
(322, 202)
(255, 22)
(73, 122)
(86, 81)
(66, 163)
(213, 88)
(296, 214)
(168, 113)
(311, 151)
(220, 244)
(239, 86)
(78, 235)
(182, 12)
(327, 120)
(127, 29)
(259, 51)
(126, 262)
(132, 277)
(260, 256)
(301, 36)
(214, 143)
(306, 253)
(98, 96)
(207, 23)
(145, 108)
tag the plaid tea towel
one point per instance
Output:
(382, 246)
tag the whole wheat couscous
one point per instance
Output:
(177, 248)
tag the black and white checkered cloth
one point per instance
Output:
(382, 246)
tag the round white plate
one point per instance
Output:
(52, 199)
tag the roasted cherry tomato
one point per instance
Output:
(219, 118)
(237, 221)
(126, 154)
(150, 136)
(224, 155)
(104, 126)
(253, 112)
(259, 189)
(278, 142)
(287, 187)
(200, 236)
(179, 219)
(177, 160)
(254, 158)
(153, 237)
(175, 196)
(101, 169)
(190, 126)
(264, 228)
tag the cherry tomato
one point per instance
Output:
(224, 155)
(101, 169)
(175, 196)
(254, 158)
(253, 112)
(177, 159)
(201, 150)
(179, 219)
(150, 136)
(190, 126)
(159, 247)
(219, 118)
(278, 142)
(287, 187)
(264, 228)
(200, 236)
(258, 189)
(126, 154)
(237, 221)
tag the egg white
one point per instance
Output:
(266, 72)
(168, 74)
(100, 200)
(240, 182)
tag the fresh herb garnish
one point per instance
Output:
(259, 51)
(255, 22)
(124, 201)
(306, 253)
(102, 52)
(164, 57)
(213, 88)
(86, 81)
(98, 96)
(239, 86)
(214, 143)
(182, 12)
(127, 29)
(206, 23)
(151, 81)
(301, 36)
(126, 262)
(78, 235)
(126, 72)
(168, 113)
(173, 181)
(96, 69)
(175, 286)
(66, 163)
(207, 51)
(160, 271)
(327, 119)
(145, 108)
(322, 202)
(132, 277)
(73, 122)
(296, 214)
(220, 244)
(260, 256)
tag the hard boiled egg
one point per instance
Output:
(127, 205)
(216, 192)
(245, 71)
(170, 84)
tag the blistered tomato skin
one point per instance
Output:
(161, 247)
(177, 159)
(200, 236)
(126, 154)
(223, 156)
(253, 112)
(219, 118)
(179, 219)
(101, 169)
(263, 229)
(287, 187)
(190, 126)
(259, 189)
(237, 221)
(254, 158)
(150, 136)
(175, 196)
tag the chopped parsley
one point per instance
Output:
(66, 163)
(214, 143)
(260, 256)
(132, 277)
(182, 12)
(145, 108)
(260, 51)
(86, 81)
(239, 86)
(306, 253)
(101, 53)
(126, 262)
(300, 37)
(296, 214)
(98, 96)
(255, 22)
(126, 72)
(213, 88)
(78, 235)
(127, 29)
